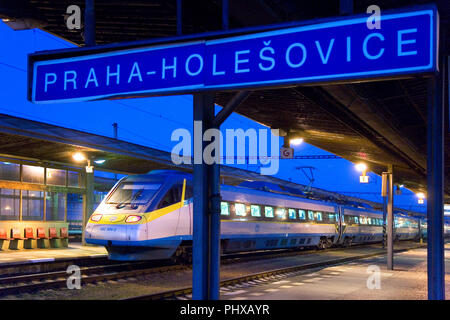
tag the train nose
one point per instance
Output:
(109, 232)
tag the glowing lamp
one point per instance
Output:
(362, 167)
(296, 141)
(421, 197)
(363, 179)
(79, 157)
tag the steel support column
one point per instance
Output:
(88, 200)
(390, 219)
(346, 7)
(89, 23)
(206, 220)
(384, 193)
(179, 17)
(225, 16)
(435, 185)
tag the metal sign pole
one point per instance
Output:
(390, 219)
(435, 184)
(206, 220)
(89, 23)
(384, 191)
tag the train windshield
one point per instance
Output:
(136, 193)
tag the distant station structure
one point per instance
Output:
(394, 124)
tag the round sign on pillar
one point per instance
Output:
(287, 153)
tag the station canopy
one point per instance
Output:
(378, 122)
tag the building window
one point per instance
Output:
(32, 205)
(255, 210)
(32, 174)
(9, 171)
(75, 212)
(99, 196)
(55, 206)
(56, 177)
(74, 179)
(9, 204)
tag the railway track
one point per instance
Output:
(58, 279)
(28, 283)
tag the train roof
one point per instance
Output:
(281, 187)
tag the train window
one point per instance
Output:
(310, 215)
(240, 209)
(356, 220)
(363, 220)
(332, 217)
(255, 210)
(172, 196)
(292, 214)
(281, 213)
(369, 221)
(268, 211)
(301, 214)
(133, 192)
(318, 216)
(224, 208)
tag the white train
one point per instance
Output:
(146, 217)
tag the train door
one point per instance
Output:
(170, 201)
(184, 224)
(340, 225)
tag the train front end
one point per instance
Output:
(122, 223)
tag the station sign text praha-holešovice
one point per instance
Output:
(345, 49)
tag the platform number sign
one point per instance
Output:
(287, 153)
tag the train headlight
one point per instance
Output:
(96, 217)
(131, 219)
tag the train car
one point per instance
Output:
(447, 228)
(256, 219)
(361, 226)
(406, 228)
(146, 217)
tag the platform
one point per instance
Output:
(408, 281)
(73, 251)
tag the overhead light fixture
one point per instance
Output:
(296, 141)
(79, 157)
(362, 167)
(421, 197)
(100, 161)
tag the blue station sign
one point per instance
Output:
(332, 51)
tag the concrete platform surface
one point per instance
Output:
(366, 279)
(74, 250)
